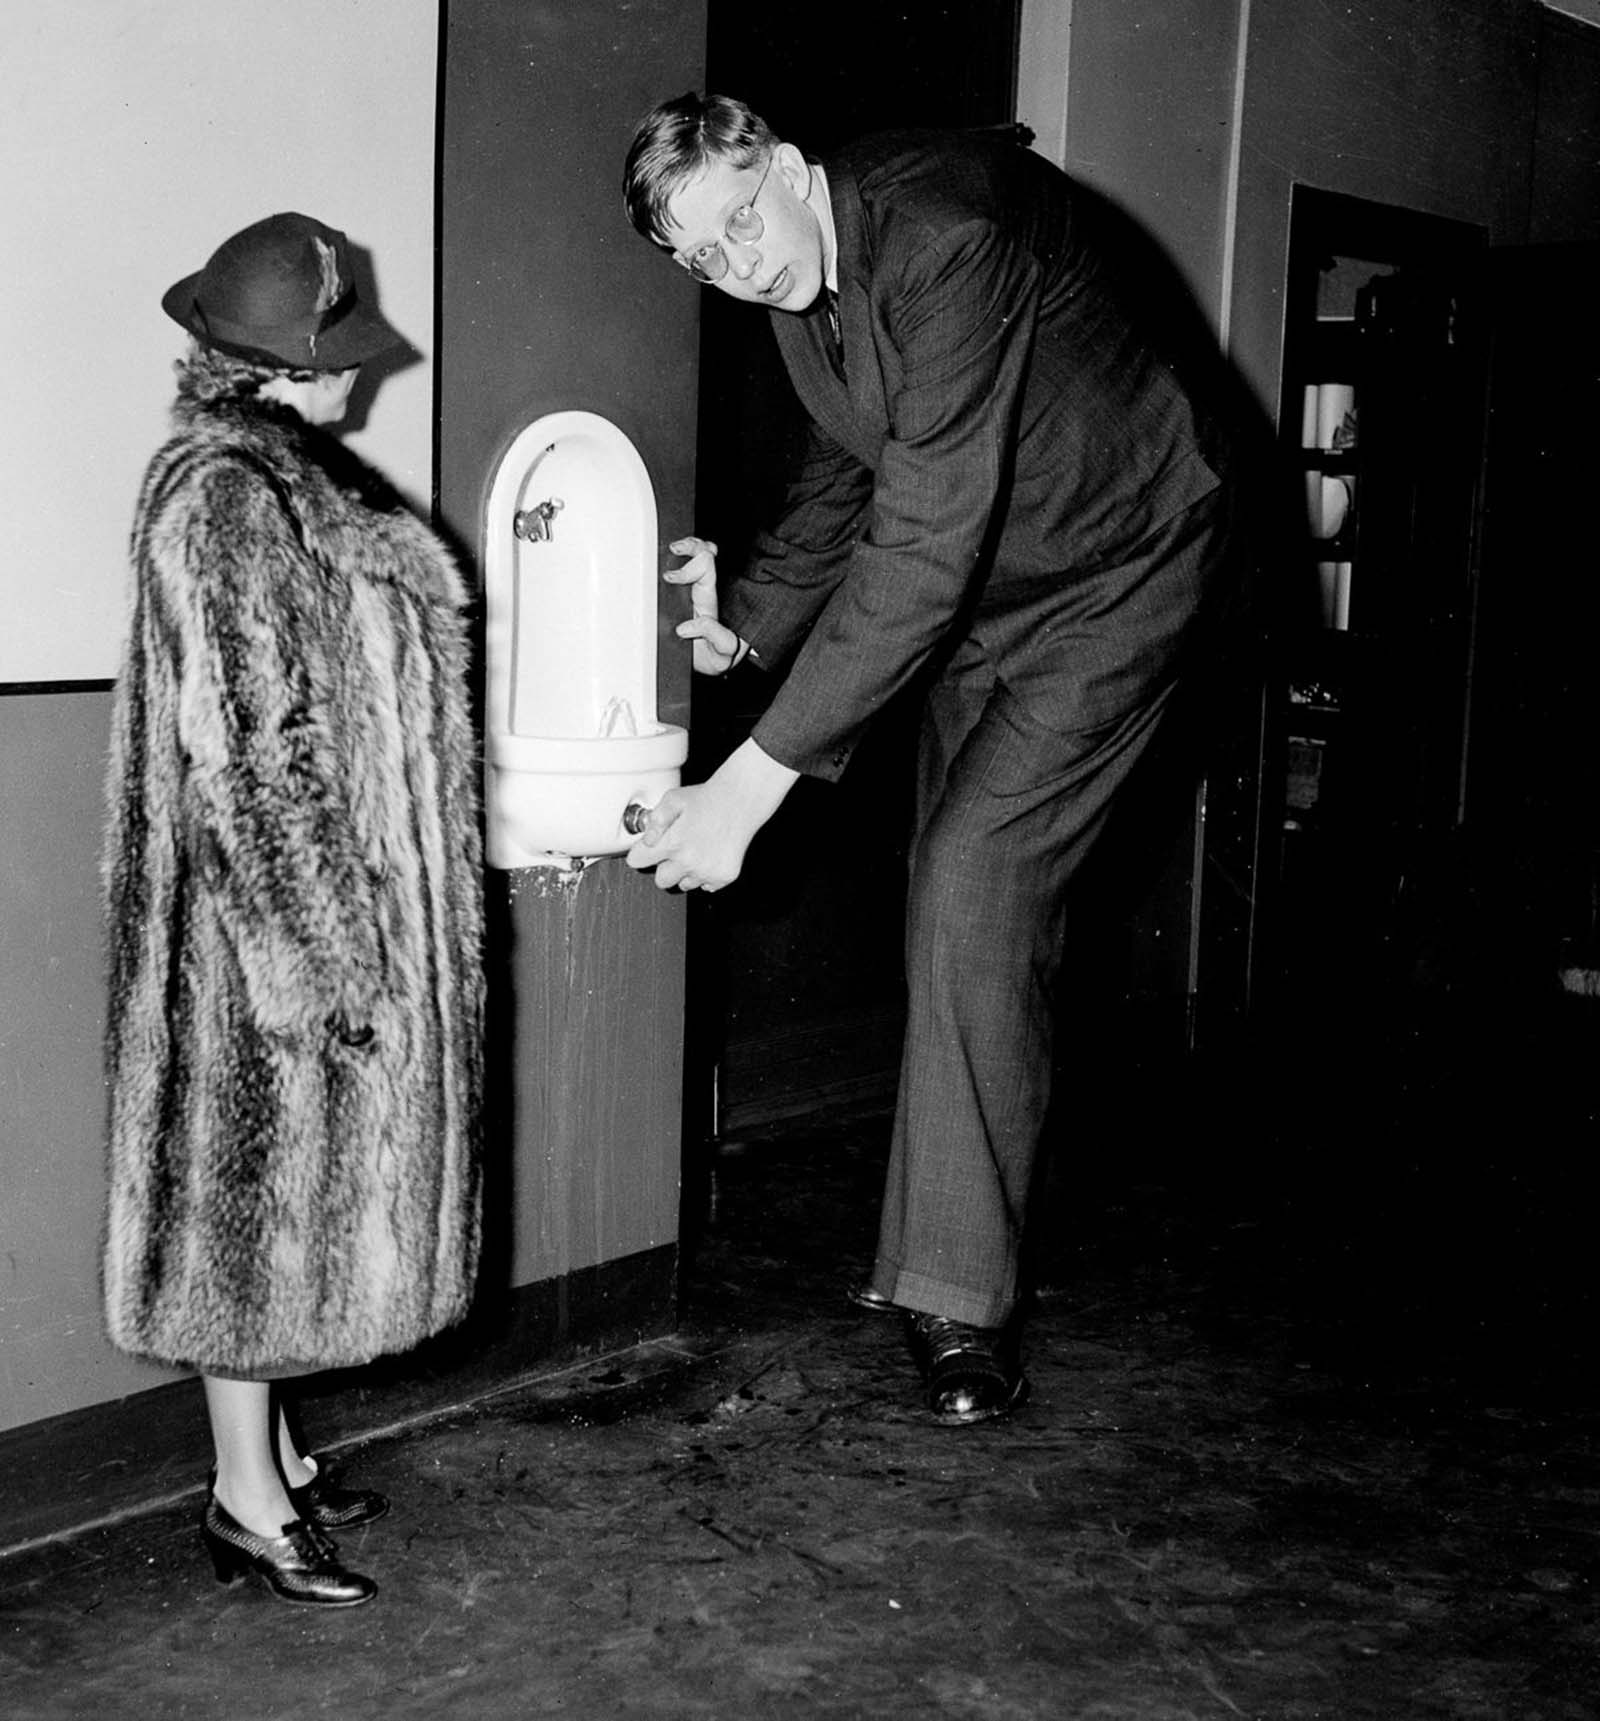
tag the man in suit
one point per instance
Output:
(1011, 491)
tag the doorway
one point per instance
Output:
(1528, 796)
(795, 983)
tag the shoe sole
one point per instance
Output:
(345, 1523)
(966, 1418)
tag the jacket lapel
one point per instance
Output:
(851, 407)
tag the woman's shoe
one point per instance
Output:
(299, 1566)
(319, 1502)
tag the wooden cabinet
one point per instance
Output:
(1381, 427)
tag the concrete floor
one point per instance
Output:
(1313, 1433)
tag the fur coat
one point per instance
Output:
(293, 889)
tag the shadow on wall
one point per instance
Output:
(375, 372)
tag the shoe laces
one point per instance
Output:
(945, 1337)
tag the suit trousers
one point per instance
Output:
(1007, 811)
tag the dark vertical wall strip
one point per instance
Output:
(1565, 197)
(1532, 808)
(547, 298)
(800, 966)
(548, 301)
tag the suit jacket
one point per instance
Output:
(1015, 415)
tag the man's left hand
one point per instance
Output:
(716, 648)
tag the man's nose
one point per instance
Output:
(743, 260)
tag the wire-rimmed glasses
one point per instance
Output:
(708, 263)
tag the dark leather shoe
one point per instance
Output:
(319, 1502)
(864, 1297)
(972, 1373)
(298, 1566)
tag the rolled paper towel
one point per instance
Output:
(1327, 586)
(1314, 503)
(1335, 506)
(1333, 584)
(1336, 415)
(1327, 503)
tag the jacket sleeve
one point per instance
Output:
(247, 617)
(961, 314)
(795, 566)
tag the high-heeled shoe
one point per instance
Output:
(298, 1566)
(319, 1502)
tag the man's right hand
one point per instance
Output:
(716, 648)
(695, 837)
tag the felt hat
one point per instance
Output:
(282, 293)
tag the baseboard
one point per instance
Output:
(92, 1466)
(847, 1061)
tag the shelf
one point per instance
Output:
(1338, 549)
(1362, 744)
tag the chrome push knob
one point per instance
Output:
(633, 818)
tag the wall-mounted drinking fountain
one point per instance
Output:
(573, 749)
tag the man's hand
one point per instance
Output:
(695, 837)
(716, 648)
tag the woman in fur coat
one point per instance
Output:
(293, 885)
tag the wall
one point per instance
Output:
(1426, 104)
(1148, 120)
(1564, 203)
(52, 1115)
(1199, 116)
(136, 138)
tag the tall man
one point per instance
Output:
(1011, 488)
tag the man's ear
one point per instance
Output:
(795, 169)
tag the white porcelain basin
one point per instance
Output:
(572, 587)
(557, 797)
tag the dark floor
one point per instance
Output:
(1314, 1433)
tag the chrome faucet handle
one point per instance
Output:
(537, 525)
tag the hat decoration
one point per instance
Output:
(281, 292)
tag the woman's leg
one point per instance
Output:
(250, 1523)
(296, 1472)
(249, 1485)
(315, 1496)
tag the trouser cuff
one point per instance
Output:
(930, 1296)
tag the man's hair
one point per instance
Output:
(675, 142)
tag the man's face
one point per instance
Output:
(782, 268)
